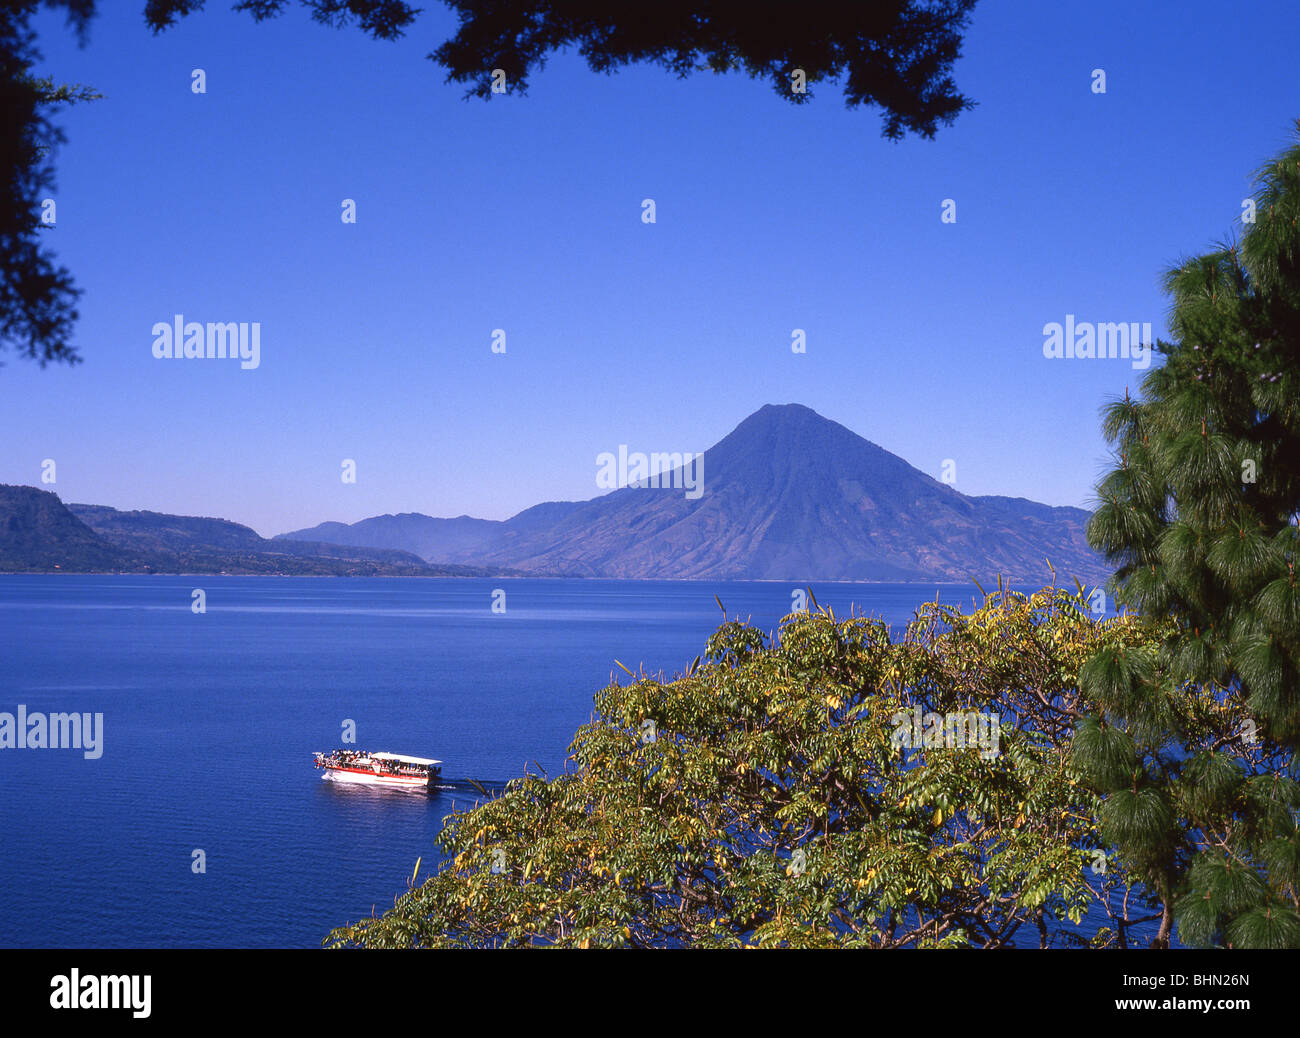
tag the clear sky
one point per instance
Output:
(524, 213)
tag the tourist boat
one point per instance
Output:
(380, 769)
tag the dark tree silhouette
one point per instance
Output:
(37, 297)
(894, 54)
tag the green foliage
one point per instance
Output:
(765, 799)
(1199, 517)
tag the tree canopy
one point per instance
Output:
(811, 790)
(896, 55)
(1199, 515)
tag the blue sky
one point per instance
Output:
(524, 213)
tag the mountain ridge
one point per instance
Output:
(39, 533)
(786, 495)
(789, 494)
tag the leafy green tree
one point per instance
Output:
(897, 56)
(775, 796)
(1199, 517)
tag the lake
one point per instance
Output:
(210, 721)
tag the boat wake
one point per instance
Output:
(465, 788)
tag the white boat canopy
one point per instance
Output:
(404, 758)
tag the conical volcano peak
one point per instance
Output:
(774, 427)
(788, 494)
(785, 416)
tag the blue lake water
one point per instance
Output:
(210, 722)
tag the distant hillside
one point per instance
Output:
(421, 535)
(434, 539)
(155, 531)
(788, 495)
(39, 534)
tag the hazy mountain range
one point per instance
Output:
(787, 495)
(40, 534)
